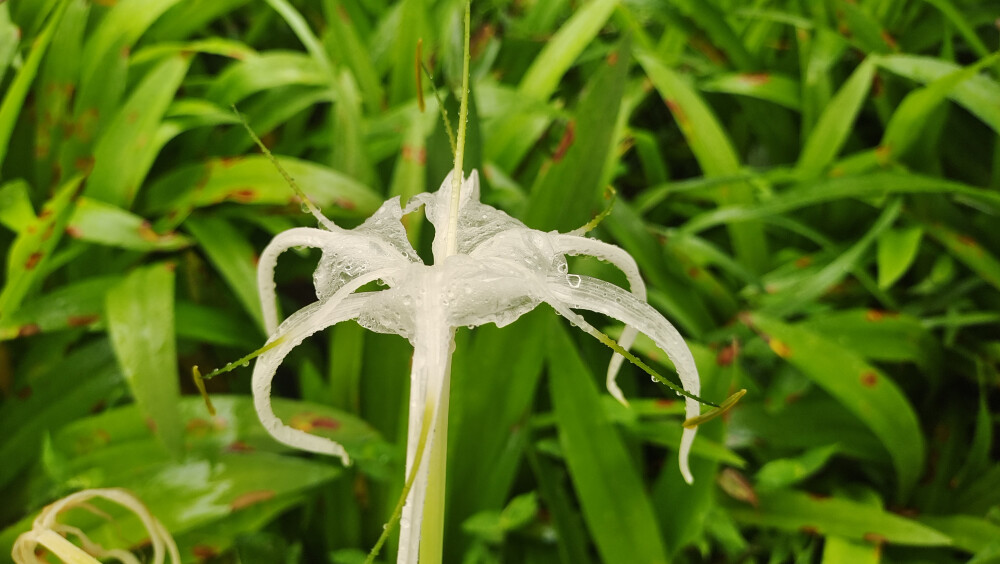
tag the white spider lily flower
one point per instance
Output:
(49, 533)
(500, 270)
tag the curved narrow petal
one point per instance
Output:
(606, 298)
(297, 237)
(339, 307)
(578, 245)
(362, 249)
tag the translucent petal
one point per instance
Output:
(606, 298)
(303, 323)
(379, 243)
(574, 245)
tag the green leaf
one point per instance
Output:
(776, 88)
(975, 94)
(253, 179)
(491, 526)
(881, 336)
(873, 185)
(835, 123)
(564, 193)
(33, 247)
(482, 371)
(563, 48)
(809, 289)
(217, 326)
(106, 52)
(107, 224)
(712, 148)
(95, 441)
(836, 549)
(10, 36)
(863, 389)
(234, 258)
(509, 142)
(910, 118)
(80, 304)
(52, 399)
(16, 211)
(968, 533)
(266, 71)
(140, 317)
(834, 516)
(784, 472)
(615, 507)
(126, 148)
(968, 250)
(17, 90)
(897, 249)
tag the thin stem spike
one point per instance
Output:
(444, 112)
(417, 64)
(299, 193)
(242, 361)
(463, 116)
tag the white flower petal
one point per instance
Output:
(303, 323)
(608, 299)
(574, 245)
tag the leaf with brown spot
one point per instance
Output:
(795, 511)
(82, 320)
(869, 379)
(250, 498)
(883, 408)
(32, 248)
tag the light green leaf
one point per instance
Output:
(34, 246)
(860, 387)
(234, 258)
(796, 511)
(127, 147)
(897, 249)
(140, 318)
(615, 507)
(835, 123)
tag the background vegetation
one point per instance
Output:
(810, 189)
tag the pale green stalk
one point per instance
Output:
(463, 115)
(432, 529)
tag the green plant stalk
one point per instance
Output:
(432, 528)
(432, 538)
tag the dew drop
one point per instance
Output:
(562, 267)
(573, 280)
(245, 363)
(304, 207)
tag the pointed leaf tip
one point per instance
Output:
(725, 406)
(199, 383)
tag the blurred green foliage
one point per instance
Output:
(806, 186)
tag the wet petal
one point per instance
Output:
(339, 307)
(606, 298)
(574, 245)
(380, 242)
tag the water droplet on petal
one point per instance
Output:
(573, 280)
